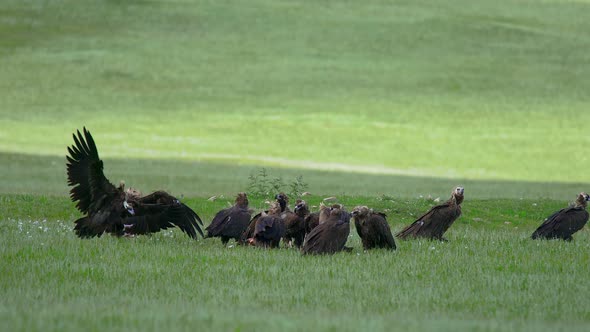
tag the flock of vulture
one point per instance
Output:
(112, 209)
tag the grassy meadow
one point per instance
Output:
(488, 277)
(384, 103)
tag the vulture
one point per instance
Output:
(565, 222)
(282, 200)
(314, 219)
(329, 236)
(230, 223)
(269, 228)
(114, 210)
(295, 223)
(372, 228)
(434, 223)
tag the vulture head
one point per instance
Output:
(242, 200)
(457, 194)
(345, 215)
(283, 200)
(301, 208)
(324, 213)
(274, 209)
(360, 212)
(337, 210)
(129, 208)
(132, 193)
(582, 200)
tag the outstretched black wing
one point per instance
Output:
(85, 173)
(152, 218)
(188, 221)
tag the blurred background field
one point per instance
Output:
(412, 94)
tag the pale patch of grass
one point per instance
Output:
(47, 175)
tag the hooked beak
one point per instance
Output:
(129, 208)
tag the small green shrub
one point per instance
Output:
(263, 184)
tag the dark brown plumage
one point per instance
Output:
(330, 236)
(314, 219)
(269, 228)
(373, 229)
(230, 223)
(565, 222)
(295, 224)
(111, 209)
(434, 223)
(281, 199)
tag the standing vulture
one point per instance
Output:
(373, 229)
(565, 222)
(230, 223)
(295, 223)
(282, 200)
(111, 209)
(330, 236)
(434, 223)
(269, 228)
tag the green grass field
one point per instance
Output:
(489, 277)
(383, 103)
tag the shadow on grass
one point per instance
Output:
(47, 175)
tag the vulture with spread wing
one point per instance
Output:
(329, 236)
(434, 223)
(230, 223)
(282, 201)
(295, 224)
(565, 222)
(372, 228)
(111, 209)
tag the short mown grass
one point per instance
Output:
(489, 276)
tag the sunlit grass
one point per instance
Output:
(475, 91)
